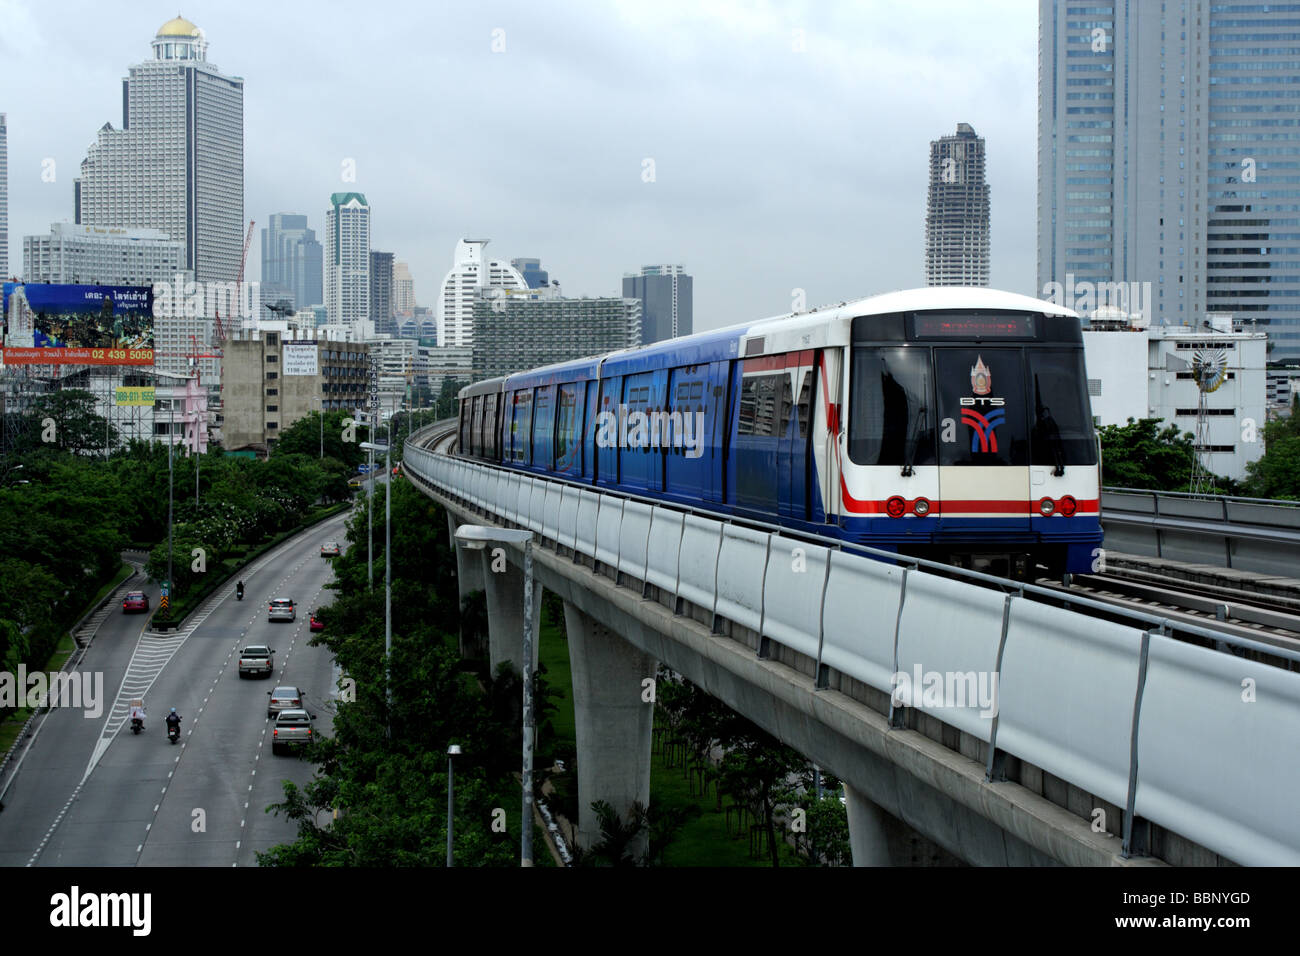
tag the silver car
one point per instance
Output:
(285, 697)
(281, 609)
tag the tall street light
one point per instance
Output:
(171, 445)
(452, 751)
(476, 538)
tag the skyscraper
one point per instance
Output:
(347, 259)
(957, 211)
(470, 271)
(381, 292)
(292, 262)
(177, 164)
(4, 198)
(532, 271)
(1168, 153)
(403, 289)
(666, 301)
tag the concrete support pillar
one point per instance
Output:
(469, 578)
(868, 837)
(503, 586)
(469, 568)
(613, 720)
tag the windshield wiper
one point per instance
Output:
(912, 441)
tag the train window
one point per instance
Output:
(521, 421)
(568, 428)
(475, 429)
(1062, 432)
(983, 391)
(543, 423)
(891, 416)
(805, 402)
(489, 439)
(759, 395)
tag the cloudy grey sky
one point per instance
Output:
(774, 168)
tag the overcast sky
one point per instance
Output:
(773, 168)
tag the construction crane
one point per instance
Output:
(220, 330)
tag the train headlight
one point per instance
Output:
(1046, 507)
(1069, 506)
(895, 507)
(921, 506)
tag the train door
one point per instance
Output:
(984, 439)
(763, 384)
(793, 464)
(688, 459)
(590, 429)
(607, 431)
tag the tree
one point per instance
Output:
(1277, 473)
(303, 437)
(76, 426)
(1142, 455)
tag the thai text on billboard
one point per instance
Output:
(299, 358)
(77, 324)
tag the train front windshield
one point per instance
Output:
(1015, 395)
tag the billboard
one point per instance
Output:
(77, 324)
(137, 395)
(299, 358)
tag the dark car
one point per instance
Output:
(135, 601)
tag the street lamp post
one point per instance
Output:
(452, 751)
(476, 538)
(171, 444)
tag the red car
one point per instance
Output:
(135, 601)
(316, 623)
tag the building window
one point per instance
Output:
(271, 338)
(273, 358)
(272, 408)
(271, 426)
(273, 391)
(272, 375)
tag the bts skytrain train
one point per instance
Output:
(943, 423)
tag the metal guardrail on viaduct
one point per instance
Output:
(1172, 750)
(1247, 534)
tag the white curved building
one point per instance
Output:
(470, 271)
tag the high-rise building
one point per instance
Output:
(516, 330)
(1167, 166)
(470, 272)
(403, 289)
(99, 255)
(666, 301)
(957, 211)
(292, 262)
(4, 198)
(381, 292)
(347, 259)
(532, 271)
(177, 163)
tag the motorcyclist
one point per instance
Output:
(174, 720)
(239, 590)
(137, 713)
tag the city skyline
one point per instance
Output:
(731, 188)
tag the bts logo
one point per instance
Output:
(983, 428)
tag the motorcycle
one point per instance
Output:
(173, 732)
(137, 725)
(239, 593)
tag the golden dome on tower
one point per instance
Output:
(179, 27)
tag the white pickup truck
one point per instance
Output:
(292, 727)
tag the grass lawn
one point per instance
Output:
(703, 841)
